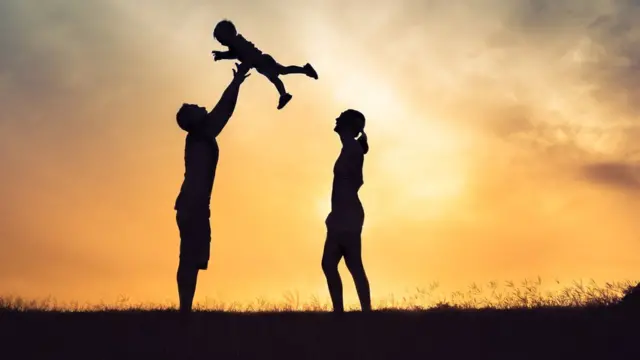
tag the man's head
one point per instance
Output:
(224, 32)
(350, 122)
(190, 115)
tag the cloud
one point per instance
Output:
(535, 91)
(481, 113)
(619, 175)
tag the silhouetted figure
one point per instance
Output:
(192, 204)
(243, 50)
(344, 223)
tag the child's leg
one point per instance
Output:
(268, 67)
(284, 96)
(294, 69)
(275, 80)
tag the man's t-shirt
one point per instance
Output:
(200, 161)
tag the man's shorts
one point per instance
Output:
(195, 238)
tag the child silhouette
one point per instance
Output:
(242, 49)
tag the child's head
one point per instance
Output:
(224, 32)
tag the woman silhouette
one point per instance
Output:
(344, 223)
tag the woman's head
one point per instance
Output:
(190, 115)
(351, 123)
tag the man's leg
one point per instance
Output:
(187, 279)
(330, 259)
(195, 241)
(352, 244)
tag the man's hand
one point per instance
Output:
(240, 73)
(363, 136)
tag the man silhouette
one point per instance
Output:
(192, 204)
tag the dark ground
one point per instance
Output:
(569, 333)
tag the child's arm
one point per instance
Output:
(224, 55)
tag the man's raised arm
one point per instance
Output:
(218, 117)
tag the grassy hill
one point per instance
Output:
(600, 327)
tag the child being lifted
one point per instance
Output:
(242, 49)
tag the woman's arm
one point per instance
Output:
(353, 153)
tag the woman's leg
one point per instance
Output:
(331, 257)
(353, 259)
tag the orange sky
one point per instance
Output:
(503, 144)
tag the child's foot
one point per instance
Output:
(310, 71)
(284, 99)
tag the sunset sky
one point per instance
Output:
(505, 143)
